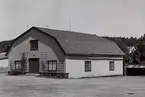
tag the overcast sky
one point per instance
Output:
(101, 17)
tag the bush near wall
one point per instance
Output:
(15, 72)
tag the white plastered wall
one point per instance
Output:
(76, 68)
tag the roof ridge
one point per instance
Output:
(65, 31)
(84, 41)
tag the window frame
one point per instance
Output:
(32, 43)
(52, 65)
(19, 65)
(111, 65)
(88, 66)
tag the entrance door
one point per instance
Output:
(34, 65)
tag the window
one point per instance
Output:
(111, 66)
(33, 44)
(52, 65)
(17, 64)
(87, 66)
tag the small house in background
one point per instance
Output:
(3, 63)
(135, 69)
(131, 49)
(55, 52)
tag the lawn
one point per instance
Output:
(31, 86)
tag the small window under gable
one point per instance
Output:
(33, 45)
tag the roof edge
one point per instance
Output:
(26, 33)
(51, 37)
(17, 39)
(95, 55)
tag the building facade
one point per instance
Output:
(54, 51)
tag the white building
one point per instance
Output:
(3, 62)
(131, 49)
(56, 51)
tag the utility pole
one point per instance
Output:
(70, 29)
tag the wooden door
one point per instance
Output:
(34, 65)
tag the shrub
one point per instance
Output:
(15, 72)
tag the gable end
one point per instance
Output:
(9, 49)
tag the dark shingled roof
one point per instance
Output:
(83, 44)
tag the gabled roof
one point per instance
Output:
(75, 43)
(83, 44)
(131, 49)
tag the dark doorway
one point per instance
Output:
(34, 65)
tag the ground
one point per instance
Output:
(31, 86)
